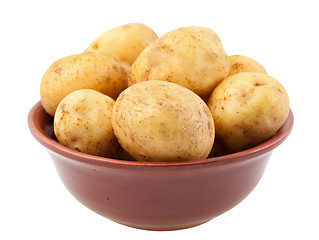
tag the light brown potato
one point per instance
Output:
(248, 108)
(240, 63)
(83, 122)
(125, 42)
(126, 67)
(192, 57)
(88, 70)
(162, 121)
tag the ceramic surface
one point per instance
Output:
(156, 196)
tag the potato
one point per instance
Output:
(125, 42)
(248, 108)
(126, 67)
(88, 70)
(192, 57)
(162, 121)
(240, 63)
(83, 122)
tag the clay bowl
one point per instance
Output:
(156, 196)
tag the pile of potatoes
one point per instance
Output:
(132, 95)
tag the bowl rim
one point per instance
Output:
(52, 145)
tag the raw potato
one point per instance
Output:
(240, 63)
(88, 70)
(192, 57)
(162, 121)
(126, 67)
(125, 42)
(248, 108)
(83, 122)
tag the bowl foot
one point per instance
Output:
(162, 227)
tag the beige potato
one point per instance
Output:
(240, 63)
(192, 57)
(88, 70)
(248, 108)
(126, 67)
(162, 121)
(83, 122)
(125, 42)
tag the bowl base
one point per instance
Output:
(163, 228)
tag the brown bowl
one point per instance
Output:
(156, 195)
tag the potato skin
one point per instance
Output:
(248, 108)
(240, 63)
(162, 121)
(125, 42)
(126, 67)
(83, 122)
(81, 71)
(192, 57)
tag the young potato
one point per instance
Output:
(162, 121)
(125, 42)
(248, 108)
(126, 67)
(240, 63)
(192, 57)
(83, 122)
(87, 70)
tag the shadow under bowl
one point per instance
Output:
(156, 195)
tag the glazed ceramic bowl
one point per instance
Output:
(154, 195)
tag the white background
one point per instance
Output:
(281, 35)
